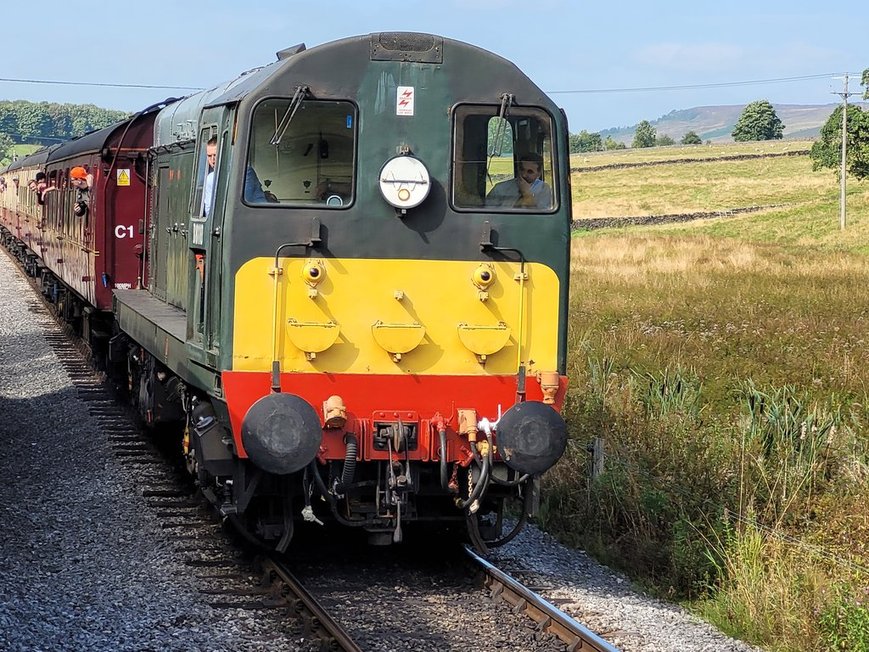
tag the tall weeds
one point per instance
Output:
(785, 452)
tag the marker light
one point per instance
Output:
(404, 182)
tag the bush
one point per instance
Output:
(844, 623)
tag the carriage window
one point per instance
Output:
(503, 164)
(301, 154)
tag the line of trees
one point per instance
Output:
(646, 136)
(45, 123)
(592, 142)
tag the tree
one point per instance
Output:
(500, 130)
(5, 149)
(663, 140)
(827, 151)
(645, 135)
(585, 142)
(45, 123)
(691, 138)
(611, 143)
(758, 122)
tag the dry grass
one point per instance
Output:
(729, 308)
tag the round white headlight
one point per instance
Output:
(404, 182)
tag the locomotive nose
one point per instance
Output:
(531, 437)
(281, 433)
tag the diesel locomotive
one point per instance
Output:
(307, 270)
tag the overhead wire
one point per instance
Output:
(634, 89)
(101, 84)
(683, 87)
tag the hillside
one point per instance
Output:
(715, 123)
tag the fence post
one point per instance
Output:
(596, 450)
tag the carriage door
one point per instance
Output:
(205, 225)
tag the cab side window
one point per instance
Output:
(503, 164)
(301, 154)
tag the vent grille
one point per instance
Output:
(405, 46)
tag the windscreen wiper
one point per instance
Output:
(300, 94)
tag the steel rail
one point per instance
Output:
(549, 618)
(320, 621)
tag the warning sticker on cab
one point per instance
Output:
(123, 176)
(404, 101)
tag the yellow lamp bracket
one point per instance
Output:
(313, 273)
(483, 277)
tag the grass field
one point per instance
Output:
(675, 152)
(18, 150)
(725, 364)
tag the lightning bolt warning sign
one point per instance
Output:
(404, 101)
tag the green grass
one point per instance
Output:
(24, 150)
(808, 224)
(18, 151)
(700, 187)
(725, 362)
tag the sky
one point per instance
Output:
(584, 54)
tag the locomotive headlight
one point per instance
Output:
(313, 272)
(404, 182)
(483, 276)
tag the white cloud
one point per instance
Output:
(693, 56)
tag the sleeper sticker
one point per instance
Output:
(198, 232)
(123, 176)
(404, 101)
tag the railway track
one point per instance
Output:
(433, 595)
(547, 617)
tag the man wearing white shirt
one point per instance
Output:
(208, 188)
(527, 190)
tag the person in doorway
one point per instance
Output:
(208, 188)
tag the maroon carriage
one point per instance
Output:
(93, 236)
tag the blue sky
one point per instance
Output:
(562, 45)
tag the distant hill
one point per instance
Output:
(716, 123)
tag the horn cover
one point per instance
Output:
(531, 437)
(281, 433)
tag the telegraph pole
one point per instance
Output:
(844, 171)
